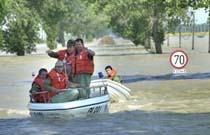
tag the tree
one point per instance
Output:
(82, 20)
(51, 13)
(21, 32)
(3, 12)
(74, 16)
(128, 18)
(137, 20)
(195, 4)
(140, 19)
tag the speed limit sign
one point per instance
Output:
(179, 59)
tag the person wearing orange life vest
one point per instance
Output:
(112, 74)
(67, 56)
(38, 86)
(58, 85)
(84, 67)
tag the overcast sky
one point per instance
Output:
(201, 16)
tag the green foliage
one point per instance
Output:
(75, 16)
(3, 12)
(137, 20)
(1, 39)
(136, 30)
(21, 33)
(83, 19)
(51, 14)
(199, 3)
(2, 9)
(51, 35)
(20, 38)
(176, 13)
(128, 18)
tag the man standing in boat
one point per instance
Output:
(84, 67)
(58, 85)
(67, 56)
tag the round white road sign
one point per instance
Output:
(179, 59)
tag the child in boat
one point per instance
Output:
(112, 74)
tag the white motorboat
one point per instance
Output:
(98, 102)
(102, 90)
(116, 90)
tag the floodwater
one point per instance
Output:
(158, 106)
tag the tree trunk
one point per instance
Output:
(147, 41)
(61, 35)
(168, 42)
(180, 37)
(20, 52)
(193, 32)
(158, 46)
(209, 28)
(209, 35)
(157, 30)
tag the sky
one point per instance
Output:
(201, 16)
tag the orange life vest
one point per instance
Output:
(62, 54)
(42, 97)
(83, 63)
(58, 80)
(113, 73)
(70, 59)
(39, 82)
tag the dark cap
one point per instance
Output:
(70, 43)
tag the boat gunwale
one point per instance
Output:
(66, 105)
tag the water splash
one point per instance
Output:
(13, 113)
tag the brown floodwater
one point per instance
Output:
(156, 107)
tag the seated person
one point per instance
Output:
(112, 74)
(37, 90)
(58, 86)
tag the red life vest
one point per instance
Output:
(70, 59)
(58, 80)
(62, 54)
(39, 82)
(42, 97)
(83, 63)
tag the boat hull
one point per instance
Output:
(102, 92)
(74, 108)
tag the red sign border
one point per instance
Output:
(184, 54)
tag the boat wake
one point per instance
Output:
(13, 113)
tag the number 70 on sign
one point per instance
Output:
(179, 59)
